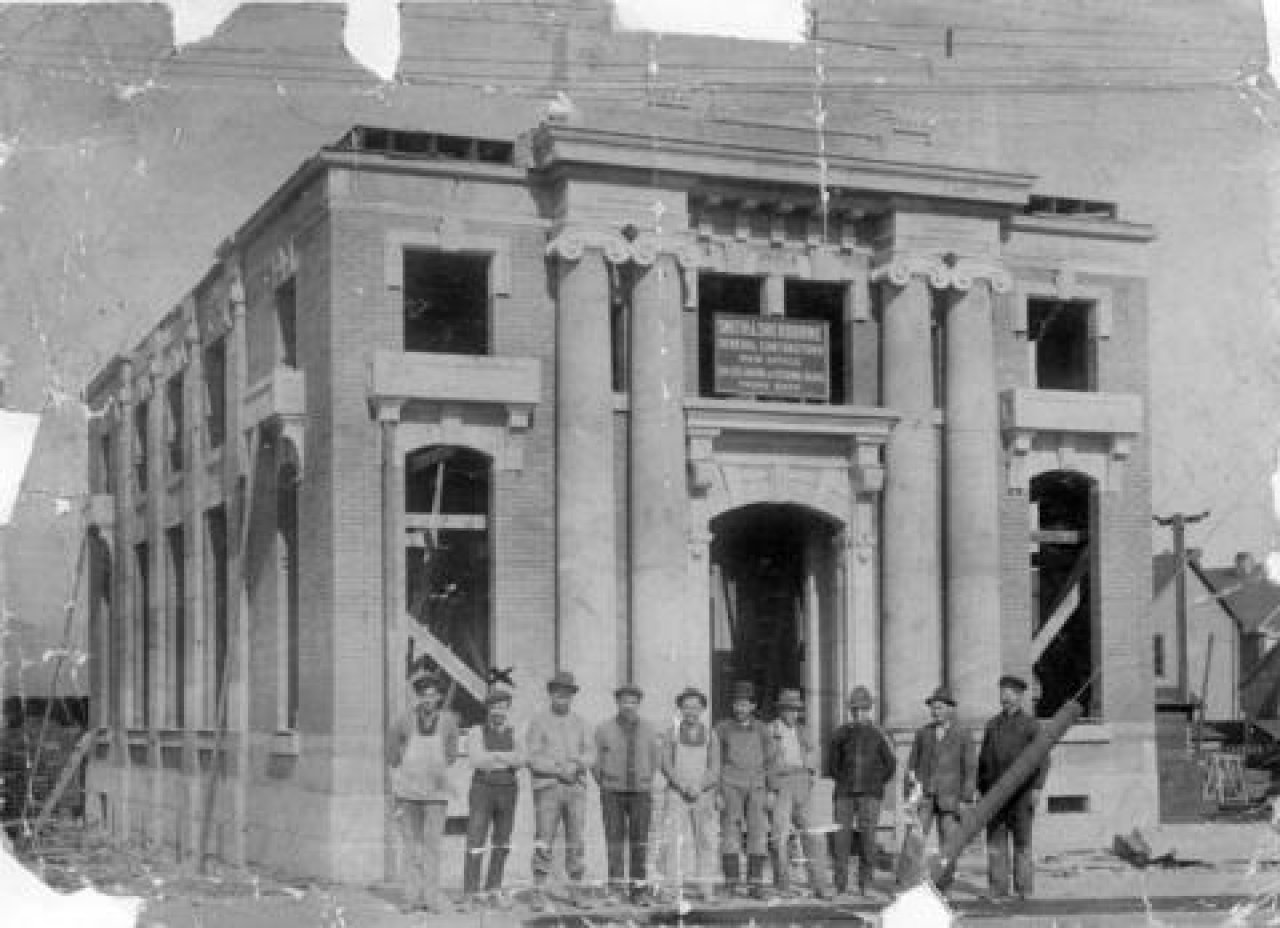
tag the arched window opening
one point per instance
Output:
(448, 567)
(1065, 641)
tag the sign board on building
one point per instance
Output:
(772, 357)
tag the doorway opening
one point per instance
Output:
(774, 609)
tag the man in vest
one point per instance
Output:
(791, 785)
(497, 753)
(421, 746)
(861, 762)
(627, 757)
(941, 770)
(561, 752)
(1007, 735)
(691, 766)
(746, 759)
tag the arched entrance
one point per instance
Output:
(775, 606)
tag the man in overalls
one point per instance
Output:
(691, 766)
(422, 744)
(791, 785)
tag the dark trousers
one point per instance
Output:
(860, 814)
(493, 806)
(626, 825)
(1011, 822)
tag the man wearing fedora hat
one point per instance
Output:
(1008, 733)
(861, 762)
(941, 768)
(561, 752)
(423, 743)
(497, 753)
(791, 785)
(627, 757)
(746, 758)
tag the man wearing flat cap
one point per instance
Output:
(691, 766)
(747, 756)
(1007, 735)
(561, 751)
(497, 754)
(861, 761)
(422, 745)
(627, 757)
(941, 770)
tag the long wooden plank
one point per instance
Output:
(443, 655)
(1067, 604)
(69, 770)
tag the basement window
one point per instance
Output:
(446, 302)
(1067, 805)
(1061, 350)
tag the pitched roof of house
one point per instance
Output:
(1248, 594)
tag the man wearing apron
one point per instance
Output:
(422, 745)
(691, 765)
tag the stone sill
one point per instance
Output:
(1118, 414)
(1088, 732)
(791, 418)
(455, 378)
(286, 744)
(282, 393)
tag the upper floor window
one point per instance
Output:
(795, 353)
(174, 422)
(1061, 349)
(446, 302)
(286, 298)
(215, 392)
(106, 466)
(141, 444)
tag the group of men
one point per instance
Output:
(753, 778)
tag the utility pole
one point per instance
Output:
(1179, 522)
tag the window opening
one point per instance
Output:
(287, 591)
(823, 302)
(447, 560)
(1063, 612)
(141, 444)
(721, 293)
(287, 322)
(620, 337)
(142, 637)
(1157, 655)
(215, 392)
(1058, 334)
(216, 605)
(446, 302)
(173, 409)
(106, 468)
(176, 616)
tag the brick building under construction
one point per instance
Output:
(646, 398)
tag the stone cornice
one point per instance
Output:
(942, 274)
(706, 151)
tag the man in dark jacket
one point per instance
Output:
(1007, 735)
(941, 771)
(861, 762)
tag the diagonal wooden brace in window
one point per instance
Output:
(1064, 608)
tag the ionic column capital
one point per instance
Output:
(942, 273)
(570, 243)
